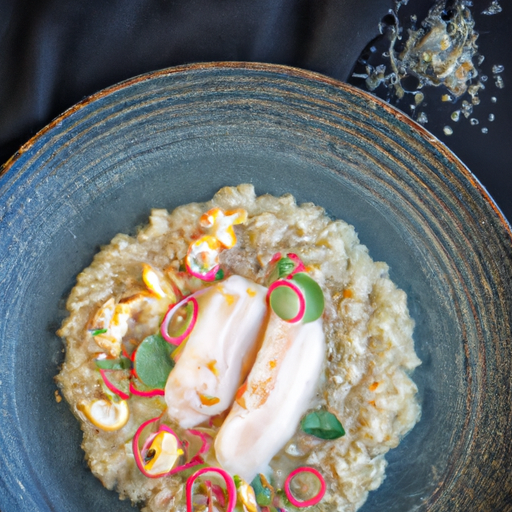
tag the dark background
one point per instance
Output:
(53, 53)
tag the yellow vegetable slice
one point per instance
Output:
(105, 414)
(162, 454)
(156, 283)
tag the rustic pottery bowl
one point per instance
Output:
(177, 136)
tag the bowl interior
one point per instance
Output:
(178, 136)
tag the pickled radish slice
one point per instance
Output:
(180, 320)
(162, 445)
(311, 501)
(230, 487)
(287, 300)
(147, 393)
(281, 266)
(299, 265)
(105, 414)
(117, 381)
(202, 260)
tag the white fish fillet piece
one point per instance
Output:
(219, 352)
(280, 388)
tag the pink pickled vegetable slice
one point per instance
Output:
(286, 300)
(140, 454)
(180, 327)
(281, 267)
(205, 439)
(312, 501)
(202, 260)
(111, 386)
(300, 266)
(230, 486)
(275, 258)
(208, 276)
(147, 393)
(219, 494)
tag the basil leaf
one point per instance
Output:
(322, 424)
(263, 494)
(121, 363)
(153, 361)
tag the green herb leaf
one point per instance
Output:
(237, 481)
(121, 363)
(280, 269)
(283, 500)
(263, 492)
(153, 361)
(313, 294)
(285, 266)
(322, 424)
(99, 331)
(219, 275)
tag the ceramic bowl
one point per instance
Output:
(178, 135)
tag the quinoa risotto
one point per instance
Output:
(243, 354)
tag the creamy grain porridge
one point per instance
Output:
(247, 334)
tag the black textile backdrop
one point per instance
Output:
(53, 53)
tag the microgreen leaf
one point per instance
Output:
(99, 331)
(262, 492)
(285, 266)
(153, 361)
(121, 363)
(281, 269)
(322, 424)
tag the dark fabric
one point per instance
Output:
(53, 53)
